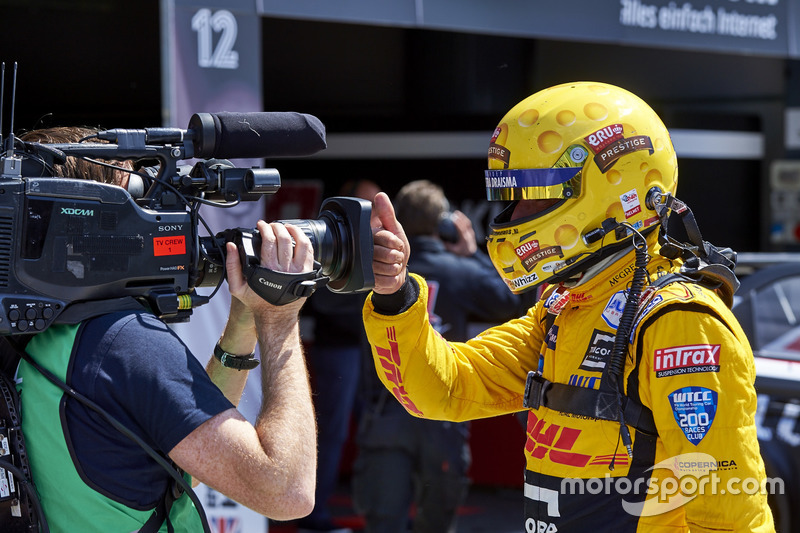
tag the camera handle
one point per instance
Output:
(278, 288)
(281, 288)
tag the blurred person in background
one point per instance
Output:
(403, 460)
(335, 360)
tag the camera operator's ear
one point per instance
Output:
(135, 185)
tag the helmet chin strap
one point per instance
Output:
(597, 261)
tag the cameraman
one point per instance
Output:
(91, 478)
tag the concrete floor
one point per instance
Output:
(486, 510)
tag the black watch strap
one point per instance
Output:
(239, 362)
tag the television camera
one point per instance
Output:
(73, 248)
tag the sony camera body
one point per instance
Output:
(72, 248)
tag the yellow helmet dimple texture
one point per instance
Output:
(617, 149)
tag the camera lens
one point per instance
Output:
(342, 242)
(341, 239)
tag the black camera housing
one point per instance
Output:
(72, 248)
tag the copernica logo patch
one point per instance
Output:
(689, 359)
(694, 409)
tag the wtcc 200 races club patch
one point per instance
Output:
(694, 409)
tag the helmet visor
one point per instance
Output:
(562, 180)
(533, 183)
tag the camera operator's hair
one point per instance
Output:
(419, 206)
(76, 167)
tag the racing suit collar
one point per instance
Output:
(583, 277)
(616, 275)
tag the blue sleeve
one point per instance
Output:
(147, 376)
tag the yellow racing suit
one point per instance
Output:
(687, 362)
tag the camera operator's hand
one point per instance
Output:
(284, 248)
(391, 249)
(466, 245)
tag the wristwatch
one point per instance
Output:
(239, 362)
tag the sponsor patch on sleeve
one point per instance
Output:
(689, 359)
(694, 409)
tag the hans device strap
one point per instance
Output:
(239, 362)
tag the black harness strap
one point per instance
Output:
(590, 403)
(161, 512)
(21, 511)
(601, 404)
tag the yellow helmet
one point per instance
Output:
(596, 148)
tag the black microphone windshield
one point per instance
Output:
(255, 135)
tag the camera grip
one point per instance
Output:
(281, 288)
(278, 288)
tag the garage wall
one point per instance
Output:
(97, 62)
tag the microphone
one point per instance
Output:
(255, 135)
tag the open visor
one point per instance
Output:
(533, 183)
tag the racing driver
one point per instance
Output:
(637, 379)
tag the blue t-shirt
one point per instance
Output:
(139, 371)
